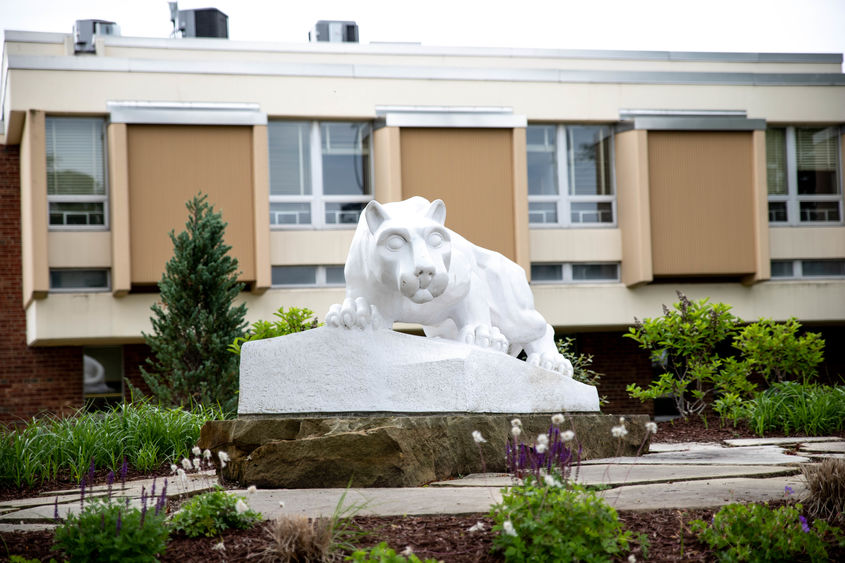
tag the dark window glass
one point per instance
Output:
(546, 272)
(782, 269)
(294, 275)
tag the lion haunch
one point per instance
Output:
(405, 265)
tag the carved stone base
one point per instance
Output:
(391, 451)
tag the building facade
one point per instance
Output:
(613, 178)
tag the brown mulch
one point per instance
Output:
(443, 537)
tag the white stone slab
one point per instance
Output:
(759, 455)
(331, 370)
(824, 447)
(654, 447)
(780, 441)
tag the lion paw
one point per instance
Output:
(554, 362)
(350, 314)
(485, 336)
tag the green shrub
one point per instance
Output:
(210, 513)
(581, 365)
(777, 352)
(804, 408)
(555, 523)
(290, 321)
(107, 530)
(383, 554)
(754, 532)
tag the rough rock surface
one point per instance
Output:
(392, 451)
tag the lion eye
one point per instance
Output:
(435, 240)
(395, 242)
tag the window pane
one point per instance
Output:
(70, 213)
(103, 371)
(589, 160)
(346, 158)
(290, 213)
(334, 275)
(290, 157)
(546, 272)
(75, 163)
(818, 160)
(595, 272)
(823, 268)
(344, 213)
(776, 160)
(820, 211)
(782, 269)
(542, 212)
(79, 279)
(777, 211)
(294, 275)
(542, 160)
(600, 212)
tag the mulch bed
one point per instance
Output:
(443, 537)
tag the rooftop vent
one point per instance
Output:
(201, 22)
(85, 30)
(335, 32)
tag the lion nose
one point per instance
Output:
(424, 273)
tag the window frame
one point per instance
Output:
(563, 199)
(319, 277)
(567, 277)
(317, 198)
(793, 199)
(798, 270)
(105, 289)
(104, 198)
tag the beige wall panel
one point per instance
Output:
(261, 208)
(310, 248)
(760, 210)
(118, 167)
(806, 242)
(522, 237)
(33, 173)
(168, 165)
(387, 162)
(80, 249)
(633, 208)
(576, 245)
(701, 198)
(471, 170)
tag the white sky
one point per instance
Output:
(805, 26)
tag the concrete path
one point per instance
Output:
(685, 475)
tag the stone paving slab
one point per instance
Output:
(824, 447)
(679, 446)
(45, 513)
(780, 441)
(757, 455)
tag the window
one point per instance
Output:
(819, 269)
(78, 280)
(803, 175)
(102, 382)
(320, 172)
(576, 272)
(76, 184)
(570, 175)
(299, 276)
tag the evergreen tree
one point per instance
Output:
(196, 321)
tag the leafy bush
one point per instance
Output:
(145, 435)
(804, 408)
(107, 530)
(197, 319)
(294, 320)
(383, 554)
(553, 523)
(683, 341)
(826, 489)
(210, 513)
(777, 352)
(581, 370)
(754, 532)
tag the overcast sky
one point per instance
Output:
(806, 26)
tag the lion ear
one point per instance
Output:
(375, 215)
(437, 211)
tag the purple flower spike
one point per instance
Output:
(143, 505)
(56, 509)
(110, 481)
(162, 500)
(91, 472)
(788, 490)
(81, 492)
(804, 525)
(123, 469)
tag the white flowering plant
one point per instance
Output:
(552, 453)
(210, 513)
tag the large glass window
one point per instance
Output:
(293, 276)
(79, 279)
(76, 175)
(320, 172)
(575, 272)
(570, 175)
(803, 175)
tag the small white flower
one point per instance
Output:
(281, 504)
(516, 431)
(557, 419)
(196, 450)
(567, 435)
(621, 420)
(186, 464)
(206, 454)
(241, 506)
(541, 448)
(476, 435)
(507, 527)
(632, 559)
(551, 481)
(516, 422)
(251, 490)
(183, 478)
(651, 427)
(477, 527)
(407, 552)
(197, 463)
(173, 468)
(543, 439)
(224, 457)
(619, 431)
(218, 547)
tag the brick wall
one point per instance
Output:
(32, 380)
(135, 356)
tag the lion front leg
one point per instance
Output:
(355, 313)
(543, 353)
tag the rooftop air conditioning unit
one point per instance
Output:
(85, 30)
(203, 22)
(335, 32)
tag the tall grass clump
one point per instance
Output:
(143, 434)
(794, 408)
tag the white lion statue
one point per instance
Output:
(405, 265)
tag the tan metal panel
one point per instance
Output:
(521, 230)
(633, 206)
(471, 170)
(387, 164)
(760, 211)
(261, 208)
(702, 203)
(33, 171)
(119, 209)
(168, 165)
